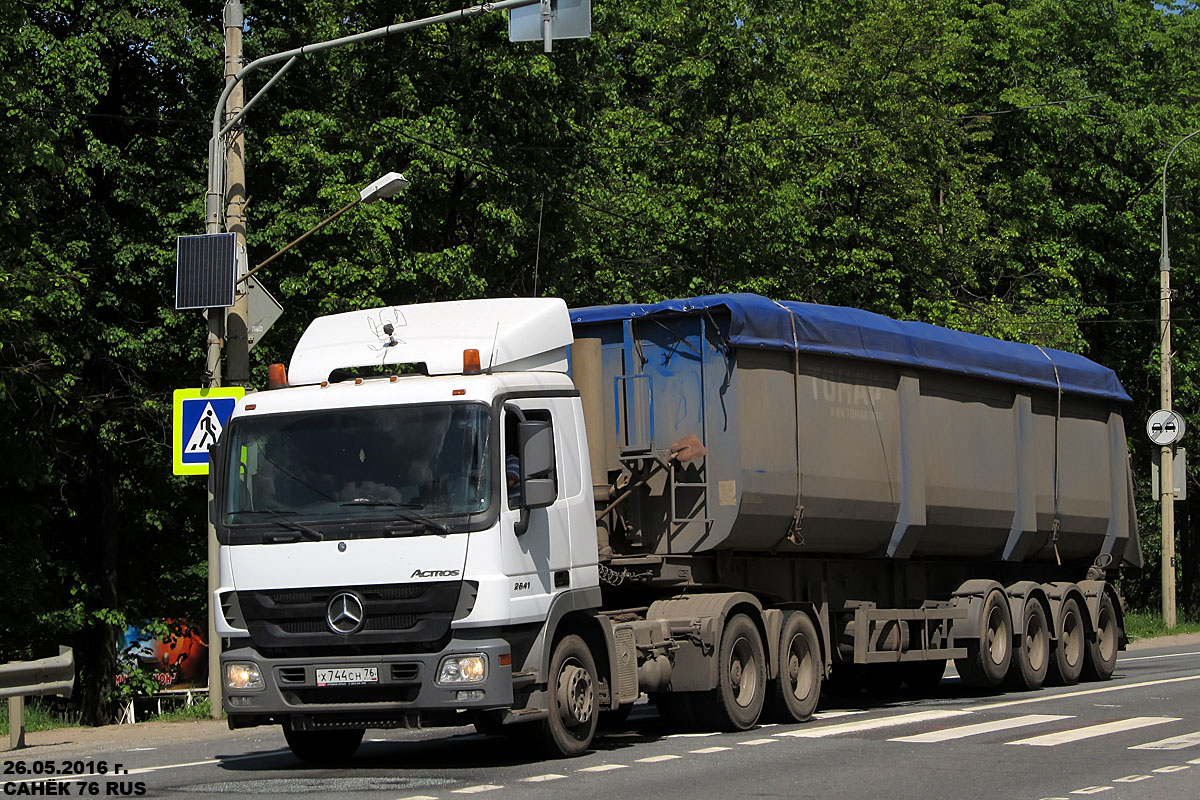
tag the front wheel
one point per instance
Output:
(323, 747)
(569, 729)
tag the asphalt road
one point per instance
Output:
(1134, 737)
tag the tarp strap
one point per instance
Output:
(1057, 522)
(794, 535)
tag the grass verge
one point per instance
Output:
(1148, 624)
(40, 715)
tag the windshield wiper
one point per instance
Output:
(404, 510)
(283, 521)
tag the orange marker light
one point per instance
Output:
(251, 406)
(358, 381)
(458, 392)
(471, 362)
(277, 376)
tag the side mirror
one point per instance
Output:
(535, 440)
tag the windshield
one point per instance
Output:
(403, 462)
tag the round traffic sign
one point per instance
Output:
(1165, 427)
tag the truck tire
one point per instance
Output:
(1031, 661)
(794, 694)
(741, 678)
(1067, 664)
(1100, 657)
(568, 730)
(323, 747)
(988, 657)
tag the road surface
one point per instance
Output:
(1134, 737)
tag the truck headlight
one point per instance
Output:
(243, 677)
(463, 669)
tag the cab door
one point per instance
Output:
(537, 561)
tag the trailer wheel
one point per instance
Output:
(569, 729)
(987, 659)
(1100, 657)
(1031, 661)
(1069, 649)
(323, 747)
(794, 694)
(741, 678)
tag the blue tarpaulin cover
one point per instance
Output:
(757, 321)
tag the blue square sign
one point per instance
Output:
(199, 417)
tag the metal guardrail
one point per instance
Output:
(21, 679)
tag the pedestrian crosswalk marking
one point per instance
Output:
(1174, 743)
(1093, 731)
(872, 724)
(1173, 768)
(961, 732)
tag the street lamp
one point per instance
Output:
(1166, 484)
(386, 187)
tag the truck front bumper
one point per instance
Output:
(405, 689)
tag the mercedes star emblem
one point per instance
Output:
(345, 613)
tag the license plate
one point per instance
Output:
(347, 676)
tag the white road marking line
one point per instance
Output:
(1152, 658)
(1093, 731)
(833, 714)
(707, 750)
(689, 735)
(550, 776)
(1092, 790)
(1194, 761)
(419, 797)
(1082, 693)
(872, 724)
(604, 767)
(1174, 743)
(483, 787)
(1132, 779)
(140, 749)
(1172, 768)
(656, 759)
(759, 741)
(946, 734)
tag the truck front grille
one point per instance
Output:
(395, 615)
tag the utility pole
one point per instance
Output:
(1166, 468)
(232, 324)
(1166, 484)
(237, 343)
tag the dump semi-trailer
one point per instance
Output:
(506, 513)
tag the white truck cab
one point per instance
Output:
(405, 525)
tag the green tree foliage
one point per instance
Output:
(992, 166)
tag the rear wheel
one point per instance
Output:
(794, 694)
(1031, 661)
(569, 729)
(1067, 664)
(987, 659)
(741, 678)
(1100, 657)
(323, 747)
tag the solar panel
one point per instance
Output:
(205, 271)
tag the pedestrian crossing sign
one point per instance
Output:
(199, 417)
